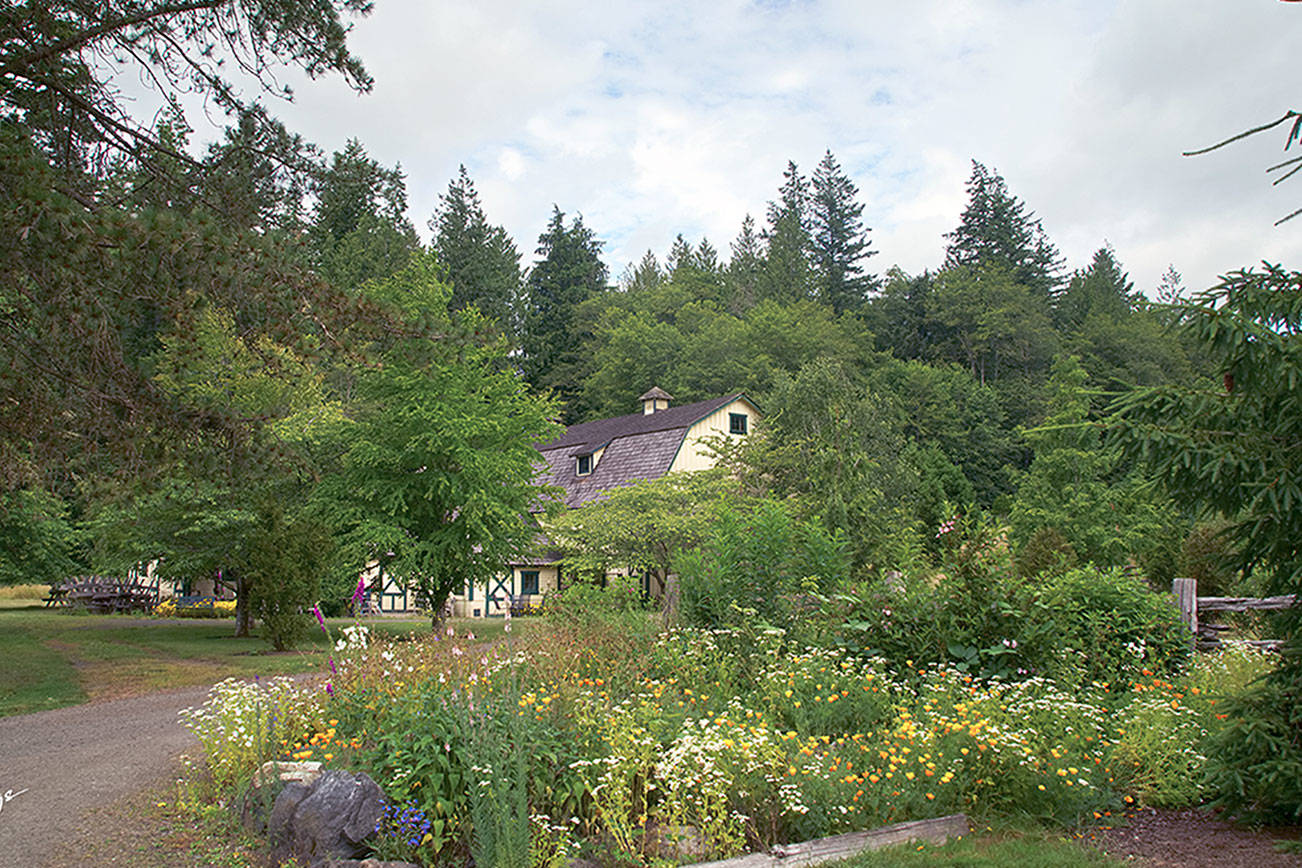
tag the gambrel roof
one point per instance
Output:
(637, 446)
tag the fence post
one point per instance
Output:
(1186, 599)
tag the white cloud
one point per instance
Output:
(658, 118)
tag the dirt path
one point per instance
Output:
(58, 766)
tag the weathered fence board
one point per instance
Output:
(937, 830)
(1207, 636)
(1243, 604)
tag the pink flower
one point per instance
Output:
(359, 593)
(320, 619)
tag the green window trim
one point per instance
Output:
(528, 582)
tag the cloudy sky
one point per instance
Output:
(655, 118)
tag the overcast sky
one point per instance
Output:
(655, 118)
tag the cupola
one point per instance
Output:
(656, 399)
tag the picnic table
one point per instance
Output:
(103, 595)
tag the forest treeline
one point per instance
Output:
(209, 350)
(893, 401)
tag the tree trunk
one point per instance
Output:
(243, 613)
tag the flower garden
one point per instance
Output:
(609, 737)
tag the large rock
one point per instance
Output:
(328, 820)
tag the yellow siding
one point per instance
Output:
(692, 455)
(503, 587)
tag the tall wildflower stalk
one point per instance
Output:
(496, 738)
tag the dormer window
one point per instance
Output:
(737, 423)
(583, 466)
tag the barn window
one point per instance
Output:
(528, 581)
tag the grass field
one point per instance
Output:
(1032, 849)
(54, 658)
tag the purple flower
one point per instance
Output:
(330, 690)
(320, 619)
(360, 592)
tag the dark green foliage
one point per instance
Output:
(1073, 483)
(480, 260)
(1047, 551)
(1113, 622)
(787, 275)
(1255, 763)
(745, 268)
(997, 230)
(568, 272)
(1207, 556)
(289, 557)
(837, 448)
(979, 613)
(359, 230)
(990, 322)
(1101, 290)
(754, 563)
(948, 410)
(838, 239)
(38, 543)
(58, 61)
(899, 317)
(1231, 449)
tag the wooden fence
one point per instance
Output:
(1208, 636)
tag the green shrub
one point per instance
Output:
(1046, 551)
(754, 566)
(1107, 626)
(1255, 761)
(286, 560)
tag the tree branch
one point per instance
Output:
(85, 37)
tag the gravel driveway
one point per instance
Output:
(55, 766)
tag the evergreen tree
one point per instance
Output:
(568, 272)
(900, 318)
(839, 240)
(258, 176)
(786, 275)
(359, 229)
(745, 268)
(696, 270)
(646, 275)
(1103, 289)
(480, 260)
(996, 229)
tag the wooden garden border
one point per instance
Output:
(936, 831)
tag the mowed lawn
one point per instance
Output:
(50, 658)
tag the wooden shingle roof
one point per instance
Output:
(638, 446)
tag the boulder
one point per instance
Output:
(328, 820)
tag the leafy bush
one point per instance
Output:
(974, 612)
(755, 562)
(1107, 626)
(287, 559)
(1046, 551)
